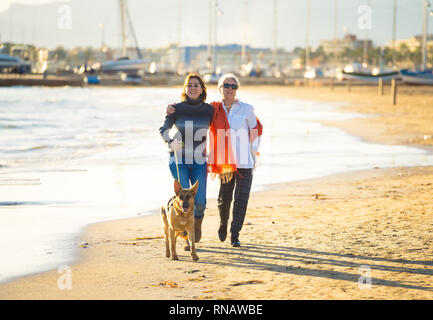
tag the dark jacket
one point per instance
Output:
(192, 120)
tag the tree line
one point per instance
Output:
(402, 57)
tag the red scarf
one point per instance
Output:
(221, 159)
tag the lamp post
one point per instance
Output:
(179, 34)
(217, 12)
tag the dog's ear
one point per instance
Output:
(177, 187)
(195, 187)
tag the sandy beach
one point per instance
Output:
(358, 235)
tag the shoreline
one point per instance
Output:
(259, 264)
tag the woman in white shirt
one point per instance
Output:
(242, 120)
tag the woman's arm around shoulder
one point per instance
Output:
(169, 120)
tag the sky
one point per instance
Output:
(156, 22)
(4, 4)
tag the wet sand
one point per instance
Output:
(409, 122)
(359, 235)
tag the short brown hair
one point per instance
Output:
(202, 84)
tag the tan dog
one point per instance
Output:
(178, 217)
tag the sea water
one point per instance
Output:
(70, 157)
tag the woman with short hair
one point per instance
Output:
(243, 131)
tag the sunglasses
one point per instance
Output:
(228, 85)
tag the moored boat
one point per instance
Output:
(370, 77)
(424, 77)
(14, 64)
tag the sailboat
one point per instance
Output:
(423, 76)
(365, 73)
(361, 73)
(368, 75)
(130, 67)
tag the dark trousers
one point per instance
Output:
(241, 184)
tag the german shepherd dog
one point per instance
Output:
(178, 217)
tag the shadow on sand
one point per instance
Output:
(277, 259)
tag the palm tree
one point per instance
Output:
(388, 55)
(59, 54)
(430, 56)
(416, 56)
(404, 54)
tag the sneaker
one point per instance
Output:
(235, 241)
(236, 244)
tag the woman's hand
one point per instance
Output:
(170, 108)
(226, 177)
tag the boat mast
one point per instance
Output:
(274, 53)
(426, 6)
(126, 18)
(209, 45)
(365, 54)
(394, 27)
(11, 23)
(217, 12)
(179, 33)
(307, 38)
(335, 20)
(244, 35)
(131, 27)
(215, 4)
(122, 5)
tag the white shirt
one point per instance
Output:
(242, 119)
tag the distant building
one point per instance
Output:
(412, 43)
(196, 58)
(229, 58)
(41, 62)
(337, 46)
(22, 51)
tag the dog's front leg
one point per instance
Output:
(173, 244)
(167, 241)
(165, 228)
(191, 237)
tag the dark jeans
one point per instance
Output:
(241, 185)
